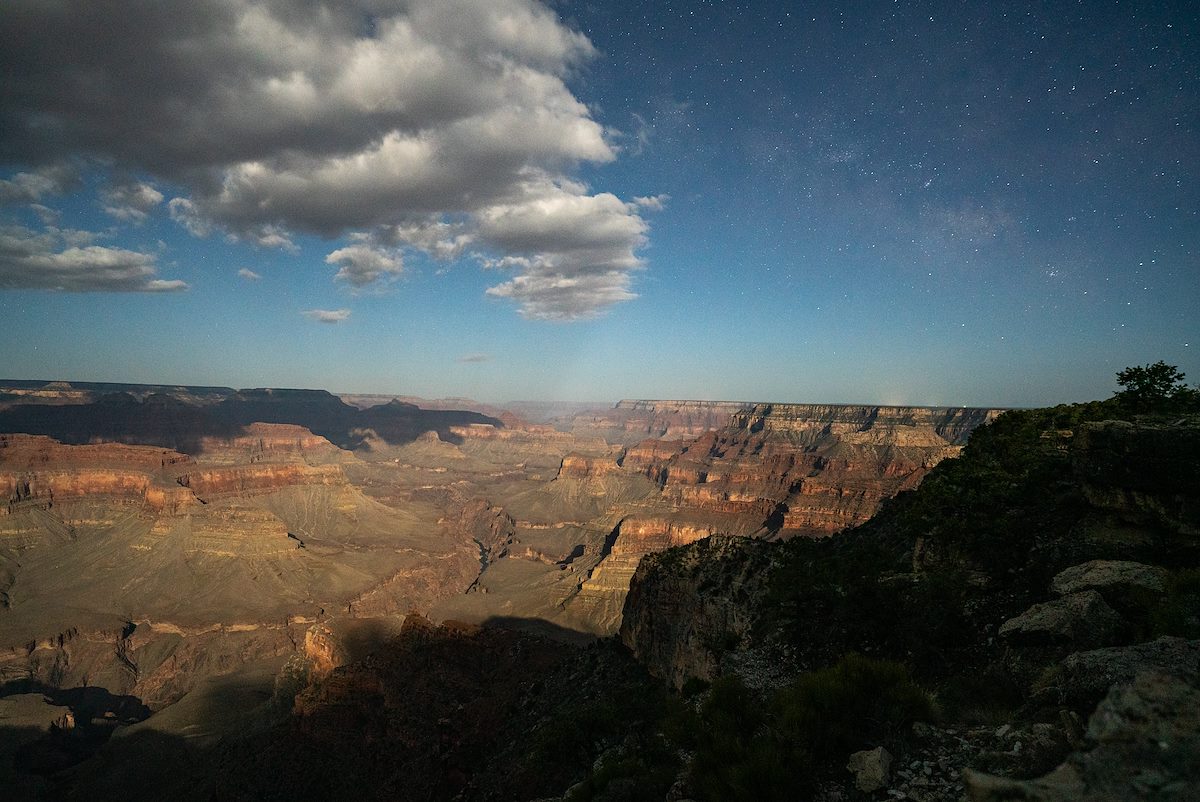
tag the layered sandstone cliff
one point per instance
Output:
(36, 472)
(767, 470)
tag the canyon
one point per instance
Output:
(214, 565)
(181, 512)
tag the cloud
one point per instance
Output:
(469, 359)
(441, 239)
(556, 297)
(327, 315)
(249, 274)
(31, 187)
(364, 263)
(446, 127)
(131, 201)
(653, 202)
(47, 261)
(575, 252)
(184, 212)
(48, 216)
(267, 236)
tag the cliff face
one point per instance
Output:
(1050, 565)
(1146, 472)
(877, 425)
(818, 468)
(35, 472)
(271, 442)
(765, 470)
(632, 420)
(245, 479)
(602, 593)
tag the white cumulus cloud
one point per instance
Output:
(445, 126)
(364, 263)
(48, 261)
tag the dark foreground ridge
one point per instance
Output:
(1041, 590)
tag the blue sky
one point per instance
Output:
(887, 202)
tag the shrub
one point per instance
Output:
(1179, 611)
(750, 748)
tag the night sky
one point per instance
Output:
(925, 203)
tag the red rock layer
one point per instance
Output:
(38, 471)
(579, 466)
(268, 442)
(260, 478)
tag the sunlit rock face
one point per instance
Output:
(816, 468)
(759, 470)
(36, 471)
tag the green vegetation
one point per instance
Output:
(622, 724)
(748, 748)
(747, 745)
(1156, 385)
(1178, 613)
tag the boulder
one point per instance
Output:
(1144, 743)
(872, 769)
(1087, 676)
(1117, 576)
(1082, 619)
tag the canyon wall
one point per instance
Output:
(764, 470)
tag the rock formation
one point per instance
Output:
(1057, 603)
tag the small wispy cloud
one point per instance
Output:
(327, 315)
(131, 201)
(652, 202)
(474, 358)
(249, 274)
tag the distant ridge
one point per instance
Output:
(656, 403)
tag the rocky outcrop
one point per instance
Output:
(30, 452)
(1111, 576)
(1143, 471)
(241, 480)
(1081, 619)
(868, 425)
(602, 594)
(580, 466)
(36, 472)
(872, 769)
(323, 651)
(486, 524)
(681, 616)
(270, 442)
(1086, 676)
(1143, 742)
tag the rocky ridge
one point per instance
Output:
(1047, 576)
